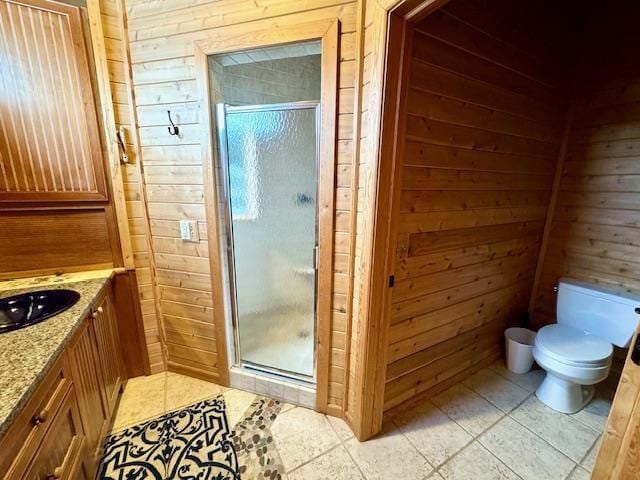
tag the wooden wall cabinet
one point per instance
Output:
(50, 148)
(58, 434)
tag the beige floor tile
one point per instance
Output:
(143, 398)
(590, 459)
(389, 455)
(468, 409)
(237, 403)
(595, 413)
(341, 428)
(564, 433)
(336, 464)
(183, 390)
(498, 390)
(579, 474)
(435, 476)
(476, 462)
(287, 406)
(529, 381)
(525, 453)
(300, 435)
(434, 434)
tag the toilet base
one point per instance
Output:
(564, 396)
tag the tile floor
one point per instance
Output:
(490, 426)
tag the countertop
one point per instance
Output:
(26, 355)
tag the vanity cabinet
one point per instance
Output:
(61, 454)
(109, 354)
(59, 432)
(87, 379)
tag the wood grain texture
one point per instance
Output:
(135, 194)
(50, 147)
(105, 326)
(37, 242)
(164, 78)
(63, 447)
(22, 438)
(618, 455)
(595, 229)
(82, 355)
(473, 186)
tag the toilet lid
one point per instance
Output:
(571, 346)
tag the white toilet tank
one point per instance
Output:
(605, 313)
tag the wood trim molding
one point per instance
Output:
(388, 70)
(562, 154)
(208, 146)
(326, 207)
(114, 171)
(240, 37)
(375, 293)
(234, 38)
(135, 133)
(617, 453)
(353, 225)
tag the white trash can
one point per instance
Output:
(519, 346)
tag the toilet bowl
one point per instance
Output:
(574, 361)
(576, 352)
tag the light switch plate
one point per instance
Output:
(189, 231)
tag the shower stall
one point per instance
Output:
(268, 176)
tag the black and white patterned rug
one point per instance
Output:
(196, 443)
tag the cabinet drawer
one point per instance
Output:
(61, 453)
(32, 423)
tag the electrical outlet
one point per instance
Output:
(189, 231)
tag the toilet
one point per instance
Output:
(576, 352)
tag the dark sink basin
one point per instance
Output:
(26, 309)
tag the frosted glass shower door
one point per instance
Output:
(271, 168)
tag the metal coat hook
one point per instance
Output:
(173, 129)
(124, 158)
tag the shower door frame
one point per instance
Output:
(258, 34)
(222, 110)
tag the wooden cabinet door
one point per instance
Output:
(50, 145)
(619, 454)
(63, 447)
(89, 385)
(106, 330)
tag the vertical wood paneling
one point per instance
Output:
(50, 145)
(483, 124)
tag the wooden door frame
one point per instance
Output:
(392, 76)
(616, 457)
(231, 39)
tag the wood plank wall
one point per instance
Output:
(114, 32)
(595, 234)
(484, 120)
(161, 34)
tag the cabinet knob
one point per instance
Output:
(57, 473)
(96, 312)
(40, 417)
(100, 310)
